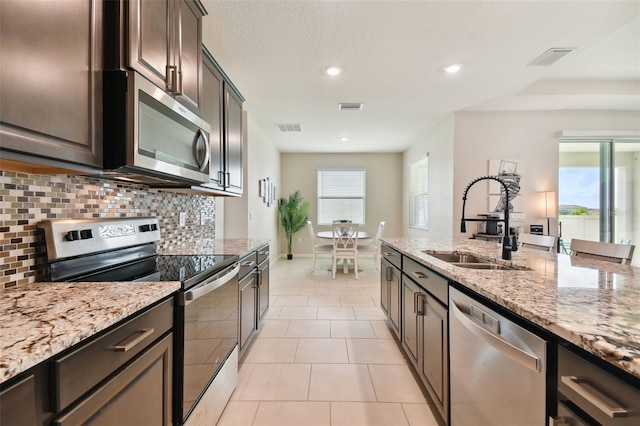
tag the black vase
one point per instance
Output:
(289, 256)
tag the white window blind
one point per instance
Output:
(341, 195)
(419, 194)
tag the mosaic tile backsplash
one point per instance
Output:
(26, 199)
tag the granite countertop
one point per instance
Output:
(592, 304)
(239, 246)
(40, 320)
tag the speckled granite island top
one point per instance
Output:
(38, 321)
(592, 304)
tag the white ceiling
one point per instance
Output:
(392, 54)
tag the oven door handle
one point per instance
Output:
(208, 286)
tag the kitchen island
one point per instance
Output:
(592, 304)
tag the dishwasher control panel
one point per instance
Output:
(492, 323)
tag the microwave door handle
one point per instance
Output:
(207, 287)
(207, 152)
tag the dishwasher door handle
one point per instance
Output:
(530, 361)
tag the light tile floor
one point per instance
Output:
(325, 356)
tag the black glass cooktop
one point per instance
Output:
(191, 269)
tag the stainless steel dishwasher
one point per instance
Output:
(498, 369)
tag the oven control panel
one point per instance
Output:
(74, 237)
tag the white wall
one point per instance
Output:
(248, 216)
(438, 143)
(264, 161)
(384, 189)
(530, 138)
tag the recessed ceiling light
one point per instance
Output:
(333, 71)
(453, 68)
(344, 139)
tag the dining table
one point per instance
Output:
(328, 235)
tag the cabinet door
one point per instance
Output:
(434, 344)
(384, 285)
(151, 32)
(233, 138)
(212, 107)
(263, 287)
(18, 403)
(189, 55)
(51, 79)
(410, 295)
(395, 285)
(247, 309)
(138, 395)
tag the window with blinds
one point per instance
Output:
(419, 194)
(341, 195)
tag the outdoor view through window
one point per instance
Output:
(599, 192)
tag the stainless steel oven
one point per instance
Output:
(206, 314)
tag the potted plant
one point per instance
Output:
(293, 216)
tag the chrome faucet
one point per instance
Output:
(509, 243)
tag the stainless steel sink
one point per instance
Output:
(470, 261)
(458, 258)
(483, 266)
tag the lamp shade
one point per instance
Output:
(549, 198)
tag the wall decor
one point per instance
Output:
(510, 171)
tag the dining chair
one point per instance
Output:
(618, 253)
(345, 246)
(317, 247)
(537, 242)
(374, 246)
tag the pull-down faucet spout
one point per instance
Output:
(509, 244)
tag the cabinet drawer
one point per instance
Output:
(393, 256)
(602, 396)
(248, 265)
(263, 254)
(427, 279)
(88, 365)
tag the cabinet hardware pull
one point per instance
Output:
(171, 78)
(574, 384)
(420, 307)
(179, 83)
(415, 303)
(249, 263)
(143, 334)
(389, 273)
(419, 274)
(259, 278)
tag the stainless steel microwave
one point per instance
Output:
(151, 138)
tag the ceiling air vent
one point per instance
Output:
(551, 56)
(288, 127)
(349, 106)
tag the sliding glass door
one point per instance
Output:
(599, 191)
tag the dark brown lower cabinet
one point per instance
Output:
(248, 313)
(390, 283)
(140, 394)
(263, 288)
(425, 331)
(24, 400)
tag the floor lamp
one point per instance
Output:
(549, 203)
